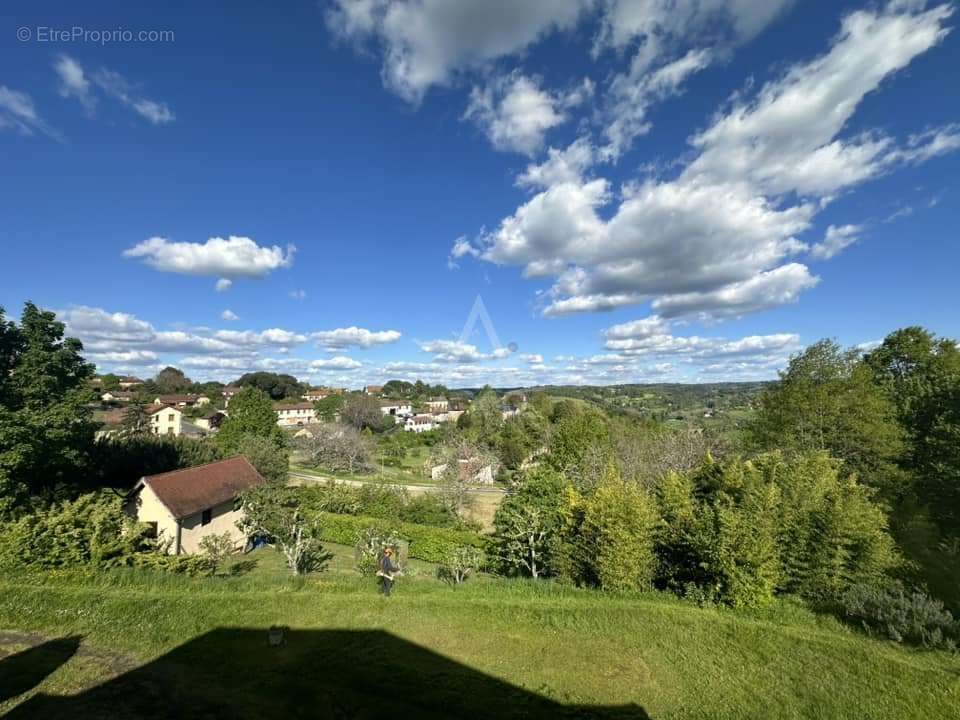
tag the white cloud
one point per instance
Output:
(631, 95)
(455, 351)
(73, 81)
(836, 240)
(336, 363)
(131, 357)
(515, 112)
(426, 42)
(228, 258)
(461, 248)
(76, 83)
(298, 294)
(352, 336)
(717, 241)
(18, 113)
(251, 338)
(229, 315)
(223, 284)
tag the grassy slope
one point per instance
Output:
(575, 647)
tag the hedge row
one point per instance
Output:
(432, 544)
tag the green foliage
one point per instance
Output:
(486, 417)
(46, 424)
(217, 548)
(171, 380)
(385, 502)
(619, 524)
(460, 564)
(251, 413)
(827, 399)
(363, 413)
(431, 544)
(527, 522)
(329, 407)
(277, 386)
(270, 460)
(90, 531)
(901, 615)
(580, 445)
(921, 372)
(120, 461)
(370, 545)
(273, 511)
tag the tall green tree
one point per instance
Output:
(251, 413)
(172, 380)
(46, 425)
(827, 399)
(921, 373)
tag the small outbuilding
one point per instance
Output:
(184, 506)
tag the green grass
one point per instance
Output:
(489, 648)
(387, 474)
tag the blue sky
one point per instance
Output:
(638, 191)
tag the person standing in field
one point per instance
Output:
(387, 571)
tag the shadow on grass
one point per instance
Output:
(236, 673)
(25, 670)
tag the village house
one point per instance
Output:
(397, 408)
(228, 392)
(211, 421)
(296, 414)
(184, 506)
(129, 381)
(315, 394)
(437, 404)
(165, 420)
(420, 423)
(117, 396)
(373, 389)
(182, 401)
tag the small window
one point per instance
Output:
(170, 417)
(206, 516)
(151, 530)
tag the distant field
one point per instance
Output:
(182, 647)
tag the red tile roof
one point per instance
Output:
(193, 490)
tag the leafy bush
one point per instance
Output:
(460, 565)
(91, 530)
(217, 548)
(901, 615)
(427, 543)
(619, 523)
(370, 546)
(386, 502)
(274, 512)
(528, 523)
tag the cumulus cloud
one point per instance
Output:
(75, 82)
(227, 258)
(229, 315)
(836, 240)
(515, 112)
(457, 351)
(223, 284)
(427, 42)
(336, 363)
(718, 240)
(353, 336)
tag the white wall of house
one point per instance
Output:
(146, 507)
(296, 416)
(168, 421)
(223, 519)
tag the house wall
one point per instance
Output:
(146, 507)
(161, 424)
(223, 520)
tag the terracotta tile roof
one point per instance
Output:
(154, 409)
(193, 490)
(293, 406)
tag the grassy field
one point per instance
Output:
(133, 644)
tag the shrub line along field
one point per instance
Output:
(542, 648)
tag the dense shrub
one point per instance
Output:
(427, 543)
(901, 615)
(121, 461)
(460, 565)
(620, 520)
(385, 502)
(89, 531)
(371, 542)
(528, 524)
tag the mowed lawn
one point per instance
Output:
(136, 644)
